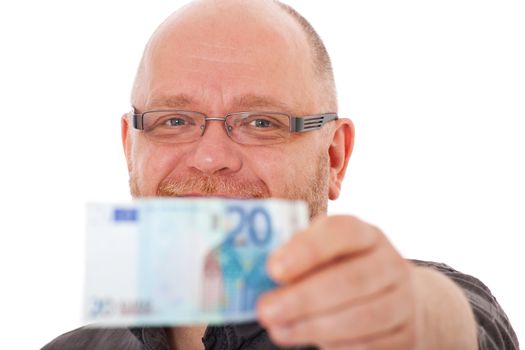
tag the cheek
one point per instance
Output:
(152, 163)
(295, 166)
(278, 168)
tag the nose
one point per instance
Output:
(215, 153)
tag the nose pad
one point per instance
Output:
(203, 127)
(228, 128)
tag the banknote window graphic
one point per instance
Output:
(234, 272)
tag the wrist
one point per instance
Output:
(446, 318)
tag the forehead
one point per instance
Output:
(218, 54)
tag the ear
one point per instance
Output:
(339, 153)
(126, 139)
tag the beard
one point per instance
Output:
(314, 192)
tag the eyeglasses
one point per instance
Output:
(249, 128)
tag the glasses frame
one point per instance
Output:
(297, 123)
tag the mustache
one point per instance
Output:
(212, 185)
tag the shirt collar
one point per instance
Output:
(215, 337)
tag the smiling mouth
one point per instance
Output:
(212, 195)
(208, 187)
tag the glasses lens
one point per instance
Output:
(173, 126)
(259, 128)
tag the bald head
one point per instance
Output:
(231, 29)
(321, 62)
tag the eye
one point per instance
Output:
(169, 122)
(261, 123)
(264, 123)
(175, 122)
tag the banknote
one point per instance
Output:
(158, 262)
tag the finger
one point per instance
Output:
(347, 281)
(403, 338)
(326, 239)
(371, 319)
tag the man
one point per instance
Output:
(343, 285)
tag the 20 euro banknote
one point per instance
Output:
(155, 262)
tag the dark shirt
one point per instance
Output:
(494, 329)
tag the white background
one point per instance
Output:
(436, 90)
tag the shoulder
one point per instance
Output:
(96, 338)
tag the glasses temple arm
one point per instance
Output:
(307, 123)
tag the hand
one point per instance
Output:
(343, 286)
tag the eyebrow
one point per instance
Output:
(249, 101)
(243, 102)
(179, 101)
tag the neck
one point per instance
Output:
(182, 338)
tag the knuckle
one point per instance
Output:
(399, 307)
(406, 337)
(311, 251)
(356, 280)
(344, 219)
(336, 222)
(302, 298)
(377, 312)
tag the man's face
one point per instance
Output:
(216, 60)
